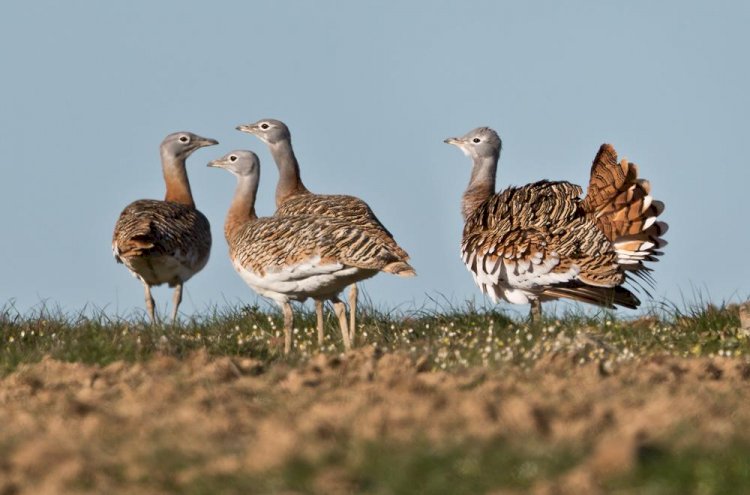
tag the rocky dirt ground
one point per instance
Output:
(203, 424)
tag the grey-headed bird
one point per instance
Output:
(542, 241)
(166, 242)
(292, 258)
(293, 198)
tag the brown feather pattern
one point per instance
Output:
(341, 206)
(607, 235)
(150, 231)
(274, 243)
(622, 206)
(536, 220)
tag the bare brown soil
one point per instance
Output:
(74, 428)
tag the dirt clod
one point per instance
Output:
(219, 416)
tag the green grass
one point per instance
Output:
(449, 339)
(694, 470)
(446, 339)
(462, 468)
(394, 468)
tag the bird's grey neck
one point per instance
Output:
(176, 180)
(481, 185)
(290, 183)
(242, 209)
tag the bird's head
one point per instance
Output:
(270, 131)
(478, 143)
(241, 163)
(182, 144)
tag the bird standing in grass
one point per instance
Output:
(542, 241)
(166, 241)
(293, 198)
(292, 258)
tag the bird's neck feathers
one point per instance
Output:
(481, 185)
(242, 209)
(176, 180)
(290, 183)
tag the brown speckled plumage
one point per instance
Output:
(149, 230)
(533, 221)
(293, 198)
(274, 243)
(543, 241)
(350, 208)
(292, 258)
(166, 241)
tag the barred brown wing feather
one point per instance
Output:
(537, 236)
(278, 242)
(341, 206)
(153, 228)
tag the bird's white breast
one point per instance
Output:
(297, 282)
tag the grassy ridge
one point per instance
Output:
(458, 337)
(458, 355)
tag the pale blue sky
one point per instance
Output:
(370, 90)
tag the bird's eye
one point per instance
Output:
(476, 140)
(233, 158)
(264, 126)
(184, 139)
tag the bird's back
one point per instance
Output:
(303, 256)
(341, 206)
(275, 243)
(535, 237)
(162, 241)
(543, 215)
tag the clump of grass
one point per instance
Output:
(446, 337)
(97, 338)
(424, 467)
(379, 467)
(479, 467)
(693, 469)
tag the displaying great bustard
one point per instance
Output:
(293, 198)
(166, 241)
(295, 257)
(542, 241)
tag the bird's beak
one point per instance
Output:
(216, 163)
(207, 142)
(453, 141)
(249, 128)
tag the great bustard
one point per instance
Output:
(293, 198)
(542, 241)
(166, 241)
(296, 257)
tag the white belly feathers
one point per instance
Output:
(309, 278)
(516, 281)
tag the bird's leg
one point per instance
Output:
(176, 300)
(340, 309)
(319, 314)
(536, 311)
(149, 303)
(353, 291)
(286, 308)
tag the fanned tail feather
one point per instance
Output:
(624, 210)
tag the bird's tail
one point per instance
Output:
(622, 207)
(601, 296)
(400, 268)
